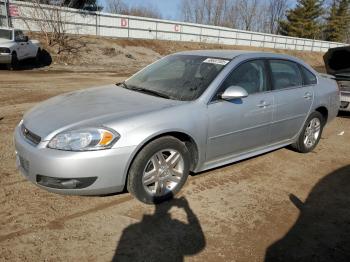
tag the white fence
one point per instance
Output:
(25, 16)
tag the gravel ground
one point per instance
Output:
(278, 206)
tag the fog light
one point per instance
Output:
(65, 183)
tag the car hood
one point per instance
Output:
(90, 107)
(5, 42)
(35, 42)
(337, 61)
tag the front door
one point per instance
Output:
(21, 47)
(241, 125)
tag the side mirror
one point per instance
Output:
(234, 92)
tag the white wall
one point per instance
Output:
(111, 25)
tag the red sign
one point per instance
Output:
(124, 22)
(13, 10)
(177, 28)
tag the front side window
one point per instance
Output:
(179, 77)
(285, 74)
(251, 76)
(6, 34)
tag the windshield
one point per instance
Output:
(179, 77)
(6, 34)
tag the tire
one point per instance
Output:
(310, 134)
(159, 170)
(38, 57)
(14, 61)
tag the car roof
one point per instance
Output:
(230, 54)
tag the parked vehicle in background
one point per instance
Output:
(188, 112)
(15, 47)
(337, 61)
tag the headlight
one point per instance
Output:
(86, 139)
(5, 50)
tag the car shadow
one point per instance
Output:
(159, 237)
(322, 231)
(44, 60)
(344, 114)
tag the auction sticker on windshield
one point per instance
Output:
(216, 61)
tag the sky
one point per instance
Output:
(168, 8)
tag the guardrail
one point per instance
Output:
(23, 15)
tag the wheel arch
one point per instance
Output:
(323, 111)
(182, 136)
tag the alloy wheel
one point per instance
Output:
(163, 172)
(312, 132)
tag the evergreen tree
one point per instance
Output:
(338, 21)
(303, 20)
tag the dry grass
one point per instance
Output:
(92, 51)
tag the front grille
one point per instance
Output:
(35, 139)
(344, 86)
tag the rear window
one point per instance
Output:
(309, 77)
(285, 74)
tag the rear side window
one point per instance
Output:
(285, 74)
(309, 78)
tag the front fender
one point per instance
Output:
(186, 120)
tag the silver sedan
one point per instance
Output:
(187, 112)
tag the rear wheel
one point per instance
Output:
(159, 170)
(311, 133)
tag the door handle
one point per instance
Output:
(308, 95)
(263, 104)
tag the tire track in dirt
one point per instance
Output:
(58, 223)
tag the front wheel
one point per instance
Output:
(159, 170)
(311, 133)
(14, 62)
(38, 57)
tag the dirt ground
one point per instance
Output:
(233, 213)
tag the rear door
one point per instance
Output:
(293, 99)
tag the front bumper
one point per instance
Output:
(344, 101)
(5, 58)
(107, 167)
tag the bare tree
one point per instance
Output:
(231, 15)
(52, 24)
(120, 7)
(247, 10)
(252, 15)
(116, 6)
(144, 11)
(194, 11)
(204, 11)
(276, 12)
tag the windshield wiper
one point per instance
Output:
(122, 84)
(151, 92)
(143, 90)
